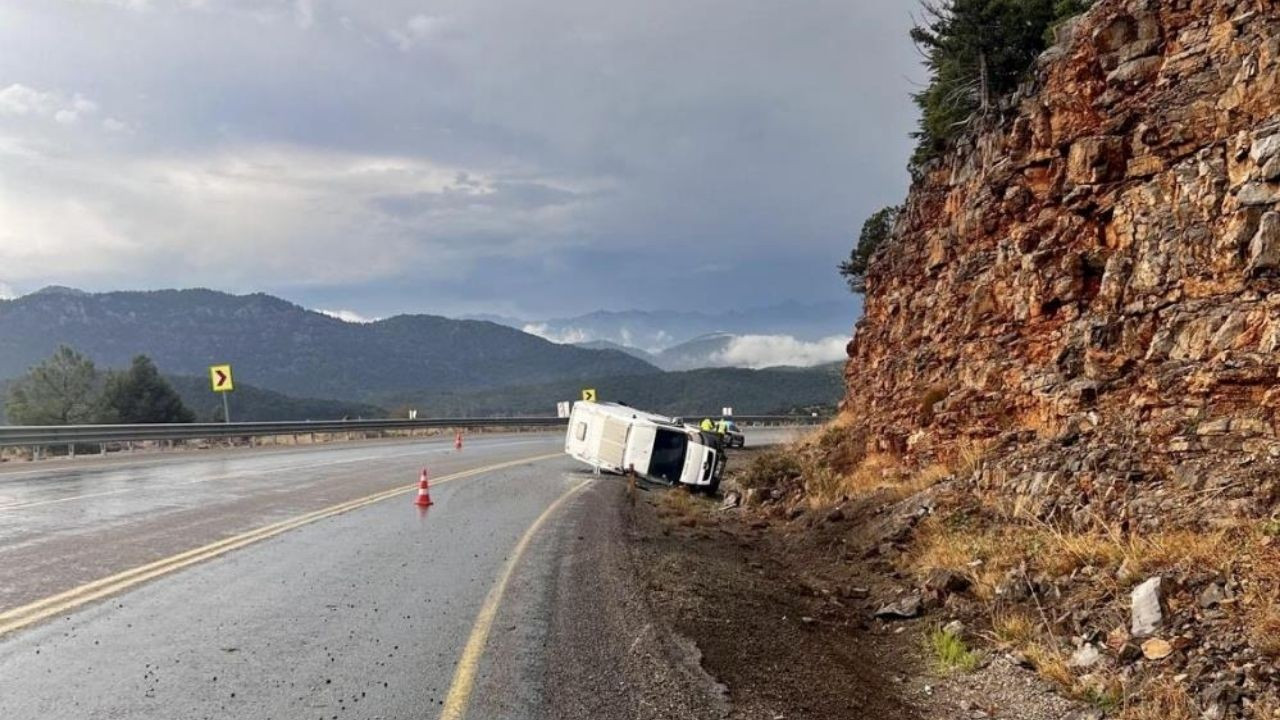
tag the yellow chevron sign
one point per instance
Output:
(220, 378)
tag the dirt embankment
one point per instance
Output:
(782, 605)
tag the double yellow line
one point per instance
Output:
(25, 615)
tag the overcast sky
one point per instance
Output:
(523, 157)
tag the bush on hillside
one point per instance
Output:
(976, 51)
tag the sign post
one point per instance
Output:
(726, 411)
(222, 383)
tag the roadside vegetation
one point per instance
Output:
(1034, 590)
(951, 651)
(875, 231)
(976, 52)
(67, 389)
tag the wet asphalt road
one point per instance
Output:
(360, 615)
(74, 522)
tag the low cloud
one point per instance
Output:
(467, 193)
(7, 292)
(417, 29)
(564, 336)
(25, 101)
(350, 316)
(304, 13)
(761, 351)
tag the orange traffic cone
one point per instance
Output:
(424, 490)
(457, 441)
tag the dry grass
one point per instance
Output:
(835, 448)
(993, 540)
(1105, 692)
(772, 468)
(874, 473)
(681, 506)
(1264, 630)
(988, 550)
(968, 457)
(984, 553)
(823, 486)
(1051, 663)
(1013, 628)
(880, 473)
(1162, 699)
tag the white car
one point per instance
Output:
(733, 436)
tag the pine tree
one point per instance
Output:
(875, 231)
(141, 395)
(61, 390)
(977, 51)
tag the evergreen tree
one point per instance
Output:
(141, 395)
(61, 390)
(977, 51)
(875, 231)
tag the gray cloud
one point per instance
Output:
(467, 193)
(453, 156)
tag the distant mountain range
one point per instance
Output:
(730, 350)
(689, 393)
(279, 346)
(701, 352)
(295, 364)
(657, 330)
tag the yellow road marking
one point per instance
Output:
(464, 677)
(211, 478)
(20, 617)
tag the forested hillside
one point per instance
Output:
(706, 391)
(277, 345)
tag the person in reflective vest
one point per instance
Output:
(707, 425)
(722, 427)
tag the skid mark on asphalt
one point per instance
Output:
(20, 617)
(464, 678)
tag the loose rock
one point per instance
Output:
(903, 608)
(1156, 649)
(1147, 611)
(1086, 656)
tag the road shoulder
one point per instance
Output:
(608, 654)
(669, 607)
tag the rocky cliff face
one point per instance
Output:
(1091, 290)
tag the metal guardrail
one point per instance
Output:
(43, 435)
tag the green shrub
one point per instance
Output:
(951, 652)
(976, 51)
(773, 468)
(875, 231)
